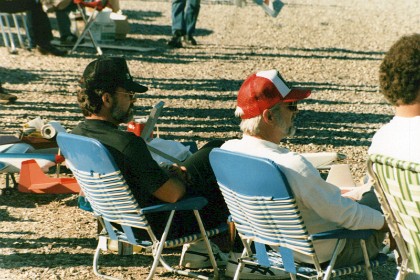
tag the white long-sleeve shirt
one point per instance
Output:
(321, 204)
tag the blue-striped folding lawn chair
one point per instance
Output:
(265, 212)
(112, 202)
(397, 185)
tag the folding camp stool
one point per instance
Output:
(6, 30)
(97, 6)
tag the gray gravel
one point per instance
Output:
(334, 47)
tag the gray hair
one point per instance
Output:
(252, 126)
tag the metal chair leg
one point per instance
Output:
(11, 46)
(17, 26)
(88, 24)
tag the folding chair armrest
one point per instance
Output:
(193, 203)
(343, 233)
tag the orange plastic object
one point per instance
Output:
(33, 180)
(137, 128)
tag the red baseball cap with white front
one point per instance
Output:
(263, 90)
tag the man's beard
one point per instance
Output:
(121, 116)
(291, 132)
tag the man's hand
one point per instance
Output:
(180, 172)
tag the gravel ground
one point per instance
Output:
(334, 47)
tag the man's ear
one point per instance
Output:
(267, 116)
(107, 99)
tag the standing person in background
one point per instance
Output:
(38, 23)
(184, 19)
(62, 11)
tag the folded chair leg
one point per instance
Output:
(17, 26)
(208, 245)
(101, 243)
(12, 49)
(368, 267)
(88, 24)
(3, 32)
(333, 259)
(158, 252)
(206, 239)
(98, 49)
(28, 36)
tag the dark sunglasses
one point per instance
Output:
(292, 106)
(130, 93)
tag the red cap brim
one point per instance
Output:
(297, 94)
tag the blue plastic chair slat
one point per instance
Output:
(264, 210)
(111, 201)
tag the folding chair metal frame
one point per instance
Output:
(112, 202)
(397, 186)
(265, 213)
(6, 30)
(97, 6)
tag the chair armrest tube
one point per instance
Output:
(193, 203)
(343, 233)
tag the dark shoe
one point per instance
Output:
(69, 40)
(51, 50)
(189, 40)
(5, 97)
(176, 41)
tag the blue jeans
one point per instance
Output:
(184, 16)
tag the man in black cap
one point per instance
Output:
(107, 98)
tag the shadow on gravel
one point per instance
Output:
(199, 85)
(28, 200)
(72, 258)
(337, 128)
(51, 243)
(323, 128)
(4, 216)
(19, 260)
(337, 50)
(201, 53)
(16, 76)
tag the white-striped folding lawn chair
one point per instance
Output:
(112, 202)
(397, 185)
(265, 212)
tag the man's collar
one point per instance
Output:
(260, 141)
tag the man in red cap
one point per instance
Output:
(267, 107)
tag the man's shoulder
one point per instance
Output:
(107, 134)
(277, 154)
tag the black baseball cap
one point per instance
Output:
(106, 71)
